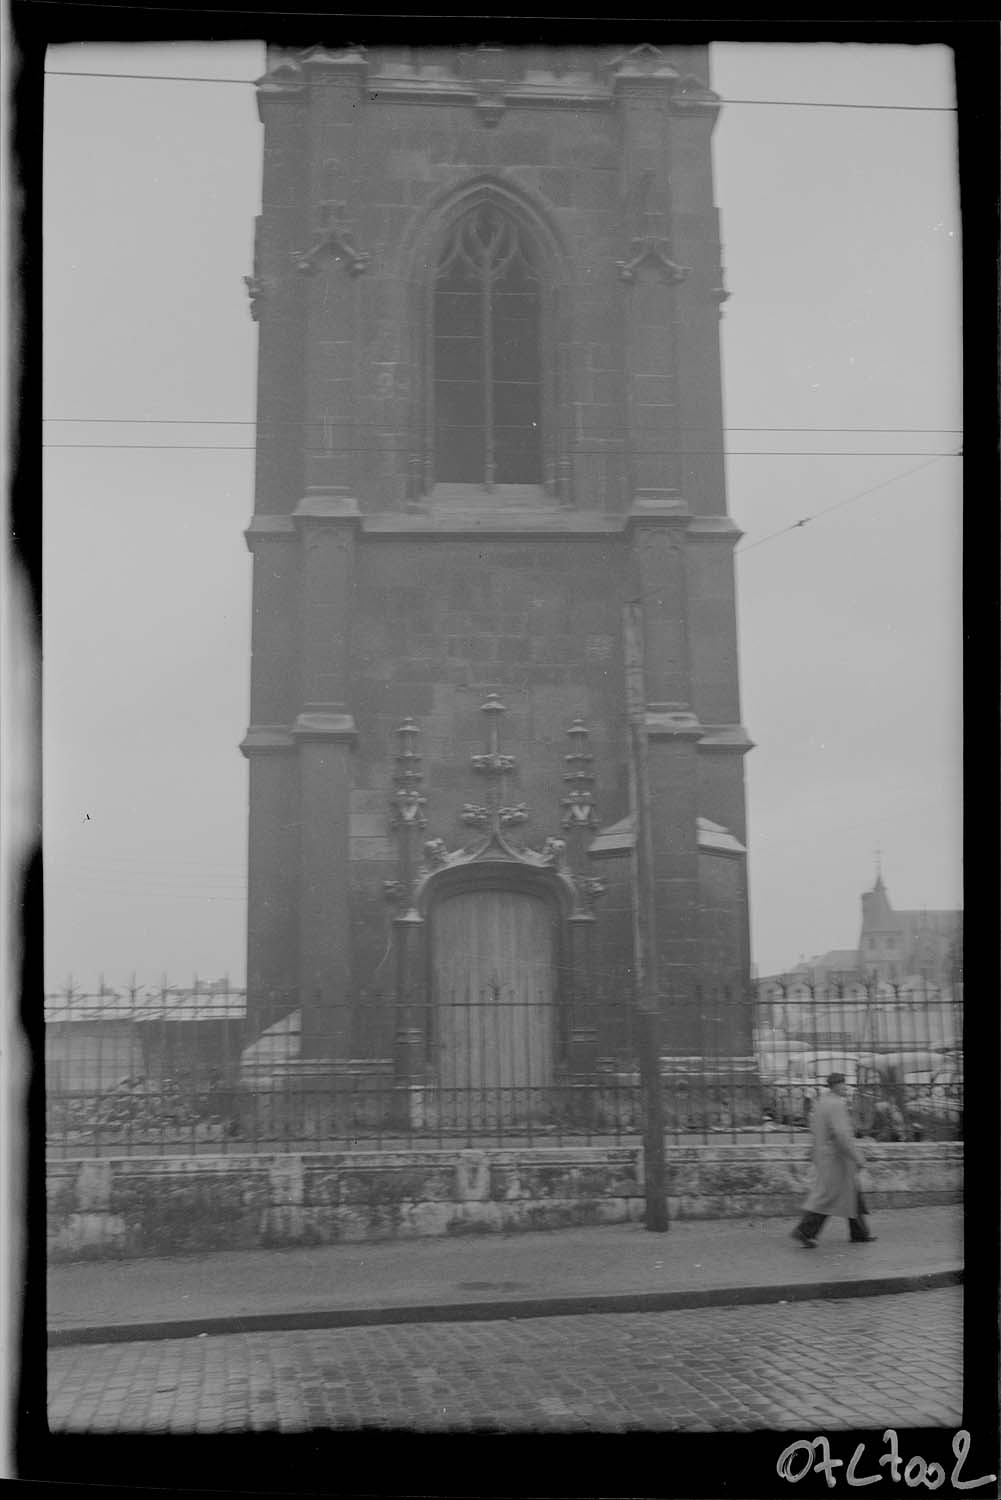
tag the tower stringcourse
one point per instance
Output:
(488, 285)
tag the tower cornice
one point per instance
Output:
(283, 83)
(729, 739)
(269, 528)
(266, 739)
(326, 507)
(672, 721)
(643, 70)
(323, 65)
(325, 722)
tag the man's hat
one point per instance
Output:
(833, 1078)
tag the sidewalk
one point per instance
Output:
(616, 1268)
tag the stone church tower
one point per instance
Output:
(488, 289)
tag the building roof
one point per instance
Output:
(878, 915)
(164, 1006)
(879, 918)
(619, 838)
(942, 922)
(614, 841)
(713, 836)
(835, 959)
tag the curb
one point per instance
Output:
(484, 1312)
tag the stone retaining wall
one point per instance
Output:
(122, 1207)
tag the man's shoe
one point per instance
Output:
(863, 1239)
(804, 1239)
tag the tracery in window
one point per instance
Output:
(487, 365)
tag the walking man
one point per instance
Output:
(836, 1160)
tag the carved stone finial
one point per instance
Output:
(258, 285)
(580, 739)
(407, 810)
(491, 762)
(579, 811)
(554, 852)
(435, 853)
(643, 62)
(406, 817)
(591, 890)
(409, 771)
(334, 241)
(655, 250)
(493, 765)
(258, 288)
(407, 802)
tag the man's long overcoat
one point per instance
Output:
(836, 1159)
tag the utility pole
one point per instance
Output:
(644, 916)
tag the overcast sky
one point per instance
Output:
(841, 242)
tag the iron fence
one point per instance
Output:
(178, 1072)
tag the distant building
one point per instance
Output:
(99, 1041)
(893, 946)
(896, 944)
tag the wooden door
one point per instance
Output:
(494, 985)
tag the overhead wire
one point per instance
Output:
(252, 83)
(580, 448)
(849, 500)
(303, 422)
(743, 453)
(741, 549)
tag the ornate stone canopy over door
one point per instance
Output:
(499, 930)
(494, 1010)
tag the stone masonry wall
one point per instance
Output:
(440, 623)
(121, 1208)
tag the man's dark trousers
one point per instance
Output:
(811, 1224)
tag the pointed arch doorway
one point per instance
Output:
(494, 965)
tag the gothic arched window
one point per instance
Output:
(487, 366)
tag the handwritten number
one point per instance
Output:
(893, 1457)
(850, 1472)
(786, 1457)
(961, 1447)
(817, 1453)
(827, 1464)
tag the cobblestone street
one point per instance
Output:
(868, 1362)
